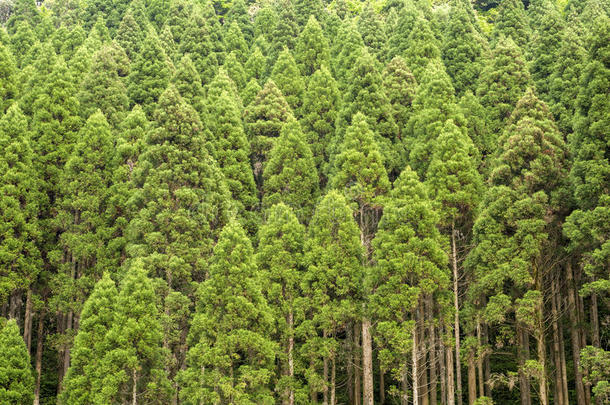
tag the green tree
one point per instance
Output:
(130, 35)
(188, 83)
(305, 9)
(475, 115)
(132, 369)
(423, 48)
(319, 114)
(290, 174)
(20, 258)
(238, 13)
(312, 49)
(231, 149)
(22, 41)
(411, 264)
(463, 50)
(235, 42)
(250, 92)
(284, 34)
(149, 75)
(235, 70)
(256, 64)
(372, 28)
(287, 77)
(84, 376)
(17, 384)
(348, 49)
(8, 77)
(229, 335)
(502, 83)
(512, 22)
(399, 39)
(102, 88)
(332, 287)
(281, 261)
(176, 178)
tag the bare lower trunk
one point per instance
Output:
(27, 321)
(381, 385)
(450, 378)
(39, 342)
(540, 341)
(290, 357)
(443, 374)
(472, 379)
(325, 374)
(333, 383)
(350, 363)
(456, 321)
(134, 388)
(414, 358)
(66, 357)
(556, 346)
(574, 322)
(594, 321)
(486, 362)
(480, 358)
(313, 395)
(564, 369)
(432, 351)
(522, 357)
(367, 362)
(357, 365)
(404, 384)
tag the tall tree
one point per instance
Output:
(423, 48)
(8, 77)
(231, 357)
(512, 22)
(188, 83)
(372, 29)
(287, 77)
(290, 174)
(17, 380)
(312, 49)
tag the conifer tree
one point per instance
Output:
(372, 29)
(130, 35)
(177, 178)
(366, 95)
(238, 13)
(423, 48)
(199, 41)
(229, 336)
(305, 9)
(84, 376)
(512, 22)
(229, 146)
(132, 369)
(103, 89)
(349, 47)
(167, 43)
(188, 83)
(290, 174)
(8, 77)
(22, 41)
(16, 378)
(312, 49)
(319, 114)
(235, 70)
(235, 42)
(256, 64)
(264, 119)
(410, 265)
(281, 262)
(408, 15)
(250, 92)
(400, 86)
(502, 83)
(284, 34)
(475, 115)
(463, 50)
(288, 79)
(149, 75)
(332, 287)
(222, 83)
(20, 258)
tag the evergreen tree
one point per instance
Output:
(8, 77)
(130, 36)
(201, 43)
(502, 83)
(475, 115)
(288, 79)
(400, 86)
(399, 40)
(167, 42)
(230, 148)
(235, 42)
(235, 70)
(312, 49)
(423, 48)
(256, 64)
(132, 369)
(188, 83)
(332, 286)
(305, 9)
(250, 92)
(512, 22)
(264, 119)
(22, 41)
(349, 47)
(281, 262)
(373, 32)
(463, 50)
(84, 377)
(238, 13)
(103, 89)
(23, 10)
(16, 378)
(411, 262)
(319, 114)
(20, 258)
(149, 75)
(229, 335)
(223, 83)
(366, 95)
(290, 174)
(284, 34)
(176, 178)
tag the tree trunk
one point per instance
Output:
(414, 358)
(564, 369)
(290, 356)
(404, 396)
(423, 373)
(313, 395)
(472, 378)
(556, 346)
(542, 386)
(325, 374)
(594, 321)
(480, 358)
(333, 379)
(432, 351)
(456, 325)
(575, 335)
(367, 362)
(486, 362)
(357, 366)
(381, 385)
(443, 374)
(522, 357)
(349, 338)
(450, 378)
(27, 322)
(134, 388)
(39, 342)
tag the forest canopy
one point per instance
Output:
(305, 202)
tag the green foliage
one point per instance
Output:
(423, 48)
(229, 335)
(596, 362)
(8, 76)
(512, 22)
(312, 49)
(372, 29)
(290, 174)
(288, 79)
(235, 42)
(188, 83)
(400, 86)
(17, 379)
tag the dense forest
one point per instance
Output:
(305, 202)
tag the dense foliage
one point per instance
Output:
(305, 201)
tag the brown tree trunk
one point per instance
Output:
(290, 322)
(594, 321)
(564, 369)
(472, 379)
(39, 342)
(27, 321)
(357, 366)
(349, 338)
(432, 350)
(486, 362)
(367, 362)
(542, 385)
(404, 385)
(134, 388)
(442, 373)
(325, 374)
(450, 377)
(523, 356)
(423, 374)
(313, 394)
(456, 321)
(575, 335)
(333, 379)
(480, 358)
(414, 358)
(560, 400)
(381, 385)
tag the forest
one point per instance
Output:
(305, 202)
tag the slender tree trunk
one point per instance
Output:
(456, 325)
(39, 342)
(480, 358)
(575, 335)
(564, 369)
(404, 384)
(594, 321)
(325, 373)
(415, 360)
(66, 358)
(472, 379)
(349, 338)
(523, 356)
(544, 395)
(333, 379)
(313, 395)
(357, 365)
(134, 388)
(556, 346)
(443, 374)
(27, 322)
(486, 362)
(367, 362)
(432, 351)
(290, 356)
(450, 378)
(423, 366)
(381, 385)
